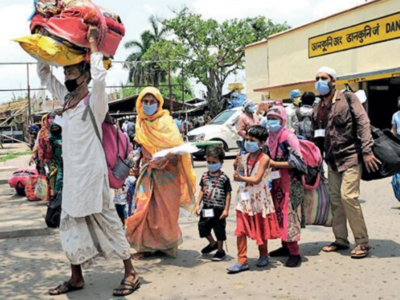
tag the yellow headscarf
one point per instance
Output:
(159, 131)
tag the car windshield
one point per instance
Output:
(223, 117)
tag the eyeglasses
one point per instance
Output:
(321, 78)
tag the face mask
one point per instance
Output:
(274, 125)
(72, 84)
(297, 101)
(150, 110)
(251, 109)
(251, 147)
(214, 167)
(323, 87)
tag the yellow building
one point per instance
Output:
(362, 44)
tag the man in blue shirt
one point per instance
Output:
(396, 119)
(178, 124)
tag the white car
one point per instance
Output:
(222, 128)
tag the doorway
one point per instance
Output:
(382, 101)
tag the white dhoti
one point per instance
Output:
(89, 227)
(85, 238)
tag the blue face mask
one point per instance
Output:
(274, 125)
(214, 167)
(150, 110)
(251, 109)
(322, 87)
(251, 147)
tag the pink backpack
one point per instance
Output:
(115, 144)
(311, 157)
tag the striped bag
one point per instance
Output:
(317, 205)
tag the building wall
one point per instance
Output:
(288, 53)
(257, 68)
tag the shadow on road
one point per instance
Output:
(379, 248)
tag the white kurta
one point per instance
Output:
(85, 167)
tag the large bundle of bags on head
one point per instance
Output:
(59, 29)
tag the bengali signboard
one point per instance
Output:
(371, 32)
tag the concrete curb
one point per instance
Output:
(4, 169)
(27, 233)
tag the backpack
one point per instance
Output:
(305, 128)
(114, 140)
(396, 185)
(311, 158)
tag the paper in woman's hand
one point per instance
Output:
(187, 148)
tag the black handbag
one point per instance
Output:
(53, 213)
(386, 148)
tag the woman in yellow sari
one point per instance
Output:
(164, 185)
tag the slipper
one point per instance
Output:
(333, 247)
(70, 288)
(133, 286)
(237, 268)
(362, 252)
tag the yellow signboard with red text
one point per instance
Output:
(371, 32)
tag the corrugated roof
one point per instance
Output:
(13, 106)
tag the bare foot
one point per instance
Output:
(140, 255)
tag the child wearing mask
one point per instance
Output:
(287, 188)
(215, 195)
(255, 212)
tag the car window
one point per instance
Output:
(223, 117)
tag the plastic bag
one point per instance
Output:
(52, 52)
(30, 188)
(48, 50)
(42, 188)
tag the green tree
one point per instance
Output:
(141, 72)
(176, 90)
(188, 93)
(210, 51)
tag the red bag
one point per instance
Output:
(20, 177)
(30, 188)
(311, 157)
(71, 25)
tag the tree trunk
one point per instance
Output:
(214, 94)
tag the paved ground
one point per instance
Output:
(29, 266)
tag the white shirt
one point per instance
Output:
(85, 168)
(125, 127)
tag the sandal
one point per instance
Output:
(70, 288)
(333, 247)
(360, 252)
(237, 268)
(131, 287)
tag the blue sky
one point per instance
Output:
(135, 15)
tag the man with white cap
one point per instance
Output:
(246, 120)
(348, 144)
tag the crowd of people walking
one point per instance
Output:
(269, 203)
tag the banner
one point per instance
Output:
(371, 32)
